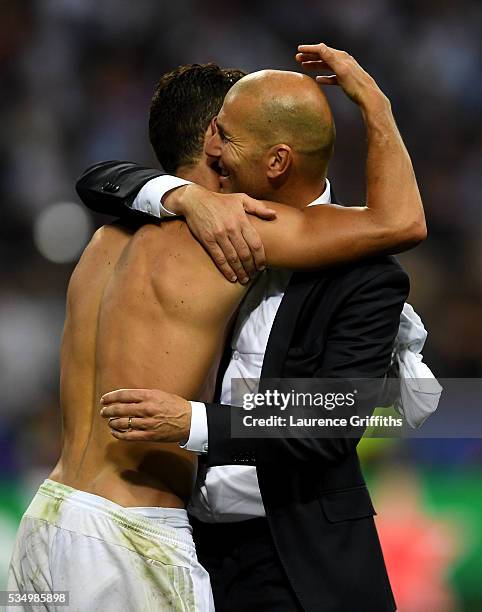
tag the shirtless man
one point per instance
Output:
(109, 525)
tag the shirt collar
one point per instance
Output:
(325, 197)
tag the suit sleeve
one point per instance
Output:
(111, 187)
(359, 345)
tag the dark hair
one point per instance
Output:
(183, 104)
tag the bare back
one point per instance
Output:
(145, 309)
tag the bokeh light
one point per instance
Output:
(61, 231)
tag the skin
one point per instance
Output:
(147, 308)
(241, 142)
(144, 308)
(281, 151)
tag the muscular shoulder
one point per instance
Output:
(106, 239)
(182, 275)
(99, 257)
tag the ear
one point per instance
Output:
(280, 157)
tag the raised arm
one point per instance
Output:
(393, 218)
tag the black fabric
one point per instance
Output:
(245, 571)
(111, 187)
(331, 324)
(337, 323)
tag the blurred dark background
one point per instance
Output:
(76, 80)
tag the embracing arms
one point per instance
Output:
(392, 220)
(357, 343)
(110, 187)
(358, 338)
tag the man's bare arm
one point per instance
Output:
(392, 220)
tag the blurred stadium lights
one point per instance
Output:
(61, 231)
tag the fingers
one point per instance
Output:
(230, 246)
(244, 251)
(320, 57)
(255, 243)
(327, 80)
(119, 423)
(217, 255)
(239, 253)
(132, 422)
(116, 411)
(134, 435)
(320, 50)
(306, 57)
(258, 208)
(312, 61)
(314, 66)
(310, 58)
(126, 395)
(251, 236)
(309, 48)
(223, 231)
(357, 84)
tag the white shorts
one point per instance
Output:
(107, 557)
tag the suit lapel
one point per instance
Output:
(281, 333)
(223, 363)
(298, 289)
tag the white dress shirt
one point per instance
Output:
(149, 199)
(231, 493)
(419, 392)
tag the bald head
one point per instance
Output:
(290, 108)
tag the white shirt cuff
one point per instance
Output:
(149, 198)
(198, 434)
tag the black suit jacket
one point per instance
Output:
(335, 323)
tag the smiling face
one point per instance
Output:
(273, 138)
(235, 151)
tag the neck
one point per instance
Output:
(201, 174)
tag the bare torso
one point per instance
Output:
(145, 309)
